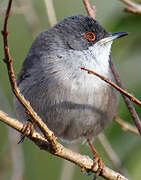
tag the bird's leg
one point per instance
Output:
(97, 159)
(27, 130)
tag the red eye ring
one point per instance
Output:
(90, 36)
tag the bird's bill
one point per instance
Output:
(114, 36)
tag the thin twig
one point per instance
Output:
(83, 161)
(90, 10)
(8, 61)
(130, 107)
(131, 97)
(132, 7)
(126, 126)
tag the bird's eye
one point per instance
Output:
(90, 36)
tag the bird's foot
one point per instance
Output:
(96, 160)
(27, 130)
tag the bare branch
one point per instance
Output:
(130, 107)
(126, 126)
(90, 10)
(132, 7)
(83, 161)
(8, 60)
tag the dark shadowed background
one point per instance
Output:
(28, 162)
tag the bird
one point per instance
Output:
(71, 102)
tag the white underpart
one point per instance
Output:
(96, 58)
(98, 61)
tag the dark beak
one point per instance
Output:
(113, 36)
(118, 35)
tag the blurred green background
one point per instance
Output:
(28, 162)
